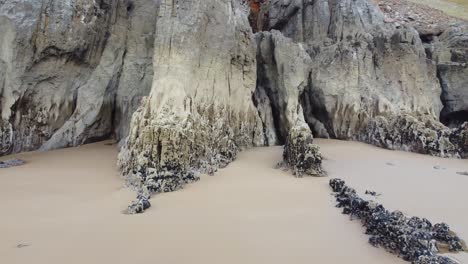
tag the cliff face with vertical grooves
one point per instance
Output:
(369, 80)
(72, 72)
(200, 112)
(185, 85)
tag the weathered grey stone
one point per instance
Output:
(450, 52)
(284, 68)
(11, 163)
(200, 112)
(283, 71)
(61, 70)
(366, 72)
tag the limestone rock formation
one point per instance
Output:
(446, 41)
(283, 69)
(450, 52)
(363, 70)
(71, 72)
(185, 85)
(362, 67)
(200, 112)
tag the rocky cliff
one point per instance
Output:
(72, 72)
(185, 85)
(368, 75)
(200, 112)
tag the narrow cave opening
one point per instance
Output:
(454, 119)
(315, 113)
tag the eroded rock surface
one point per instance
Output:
(70, 69)
(284, 68)
(283, 71)
(72, 72)
(301, 154)
(366, 71)
(417, 134)
(450, 52)
(200, 112)
(361, 66)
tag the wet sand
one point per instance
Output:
(65, 207)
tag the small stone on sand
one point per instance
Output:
(11, 163)
(22, 245)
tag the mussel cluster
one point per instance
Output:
(412, 238)
(11, 163)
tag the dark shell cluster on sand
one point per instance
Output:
(412, 238)
(11, 163)
(154, 182)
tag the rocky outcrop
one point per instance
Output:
(416, 134)
(446, 41)
(364, 73)
(284, 68)
(362, 67)
(301, 155)
(283, 71)
(200, 112)
(71, 72)
(450, 52)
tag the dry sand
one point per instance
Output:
(64, 207)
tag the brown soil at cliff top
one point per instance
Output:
(428, 16)
(65, 207)
(455, 8)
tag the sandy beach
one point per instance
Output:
(65, 207)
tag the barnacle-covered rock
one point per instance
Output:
(412, 238)
(301, 155)
(139, 205)
(200, 112)
(434, 260)
(420, 134)
(11, 163)
(459, 137)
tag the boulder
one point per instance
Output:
(301, 155)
